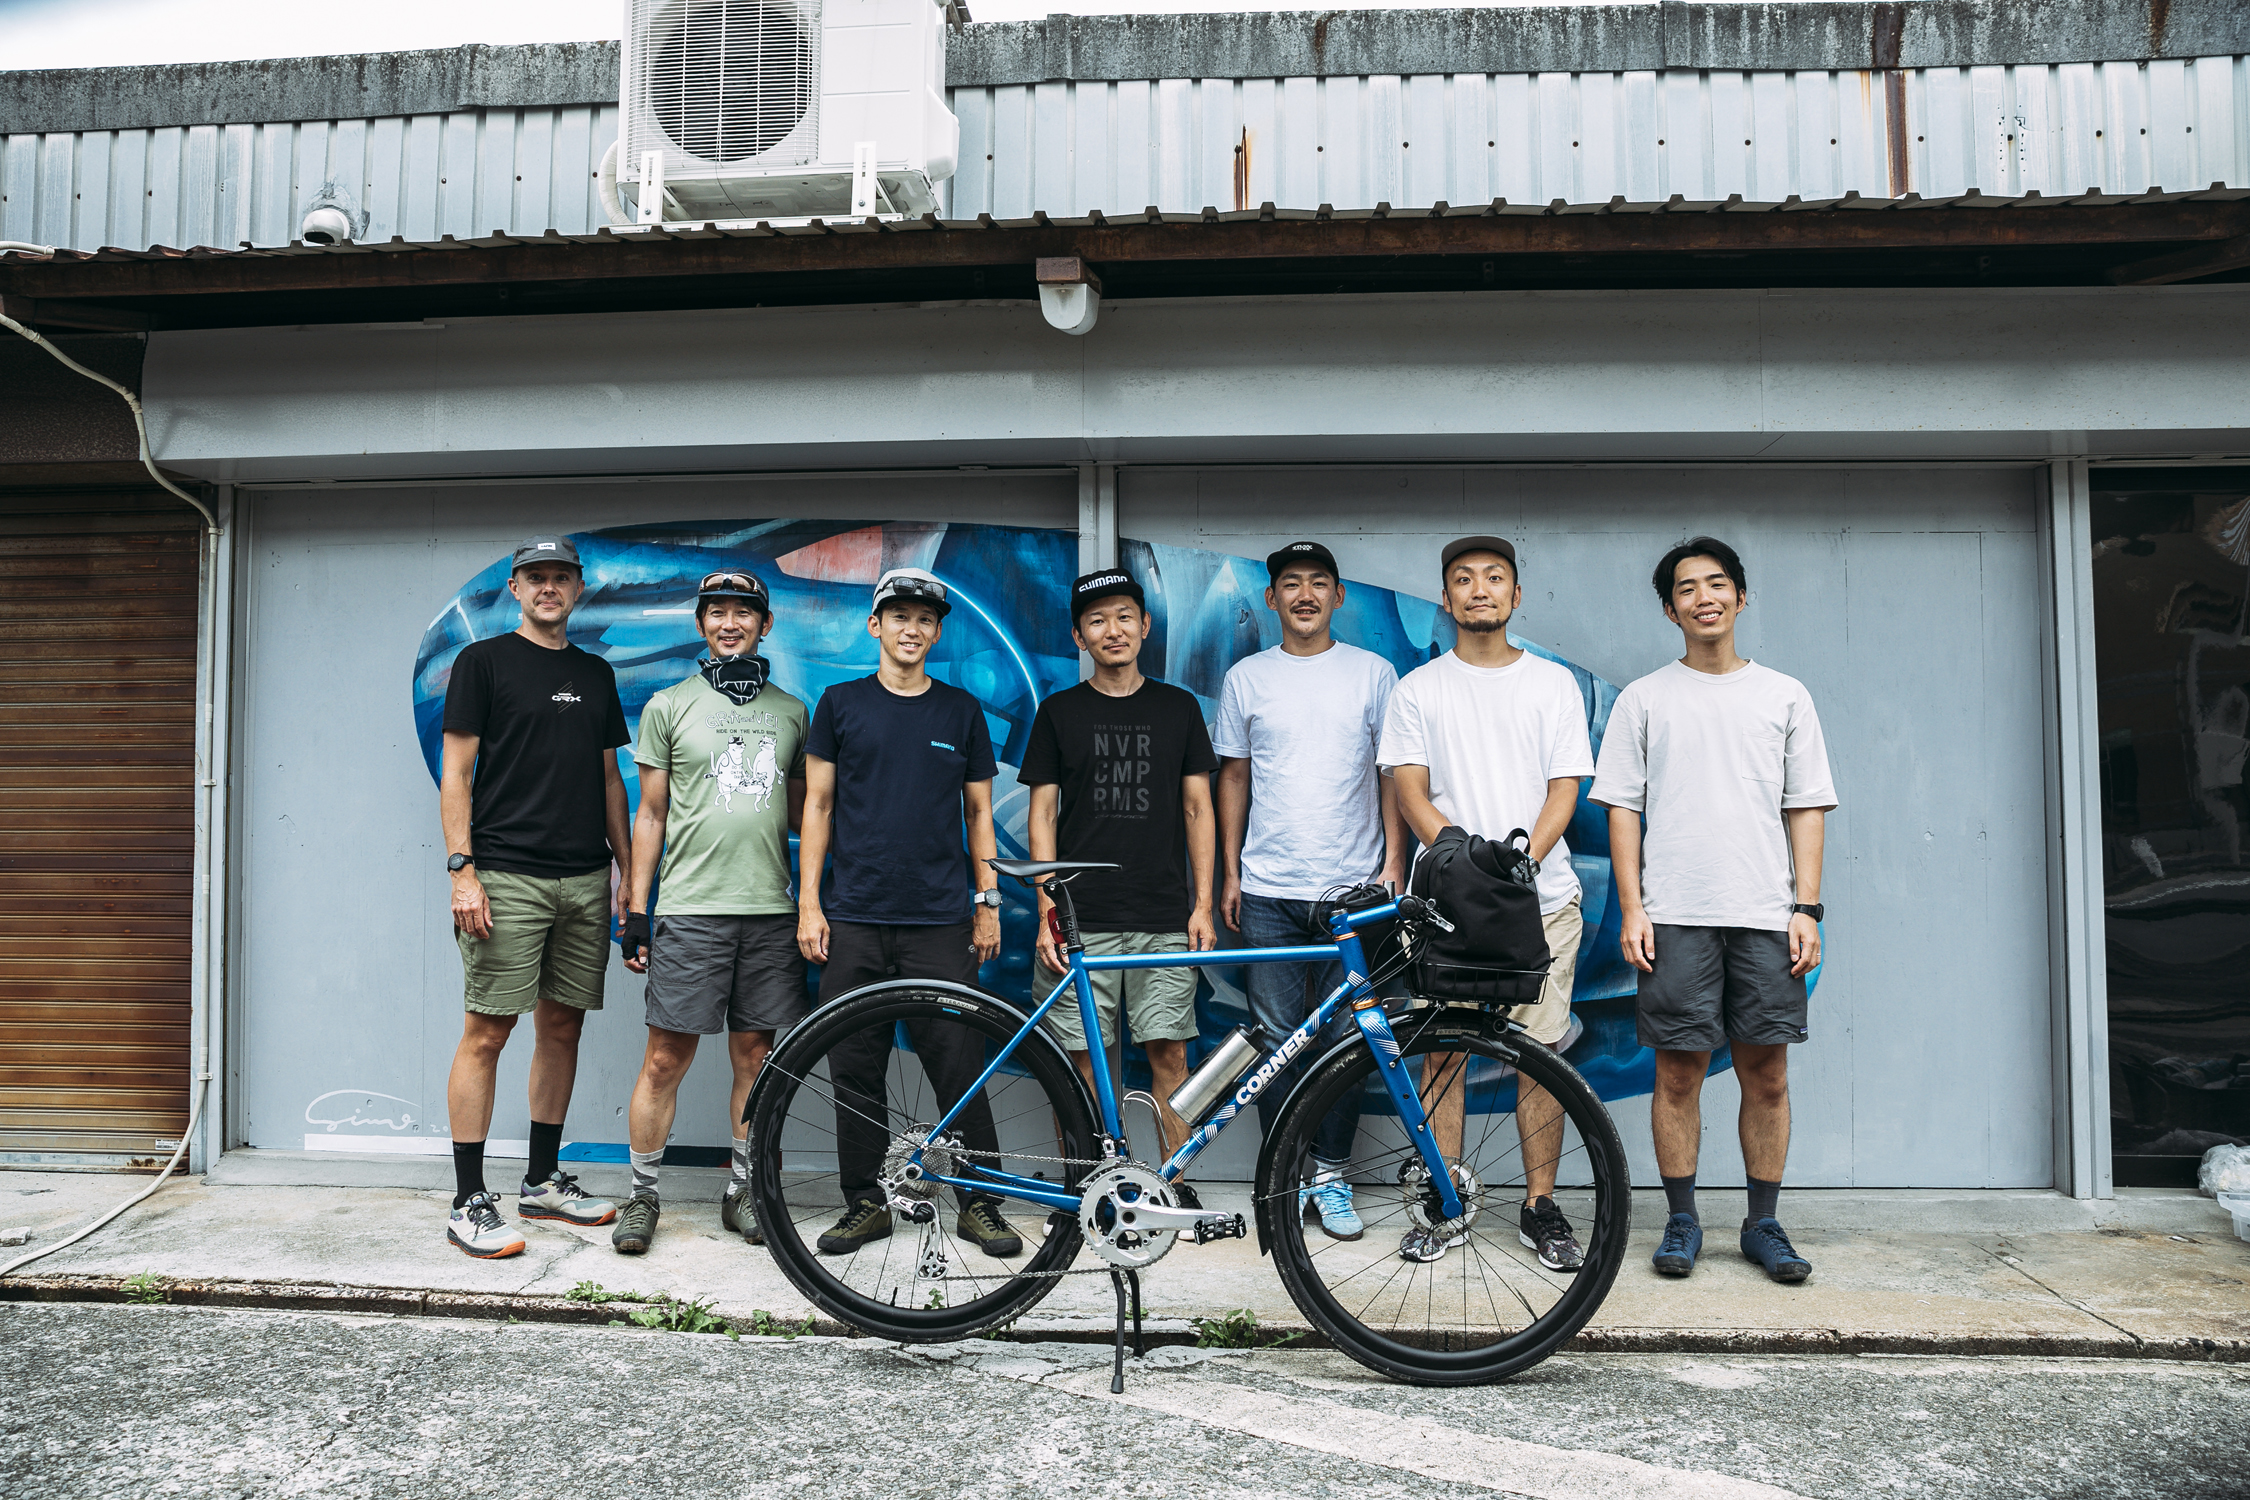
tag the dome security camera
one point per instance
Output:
(326, 226)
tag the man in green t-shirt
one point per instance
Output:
(722, 758)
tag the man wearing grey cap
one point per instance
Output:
(534, 814)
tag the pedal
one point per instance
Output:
(1219, 1227)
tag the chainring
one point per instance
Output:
(1106, 1211)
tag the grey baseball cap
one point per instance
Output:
(547, 549)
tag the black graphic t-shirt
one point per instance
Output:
(546, 719)
(1120, 762)
(898, 852)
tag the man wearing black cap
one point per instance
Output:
(1120, 772)
(897, 767)
(1303, 811)
(722, 758)
(1490, 738)
(534, 814)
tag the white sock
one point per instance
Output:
(741, 1167)
(645, 1164)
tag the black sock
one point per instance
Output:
(468, 1171)
(1679, 1195)
(1764, 1197)
(546, 1146)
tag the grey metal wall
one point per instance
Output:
(1906, 600)
(1185, 143)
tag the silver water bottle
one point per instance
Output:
(1228, 1061)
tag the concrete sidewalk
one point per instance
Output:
(2149, 1274)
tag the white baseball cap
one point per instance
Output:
(910, 584)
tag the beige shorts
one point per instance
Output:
(1159, 1004)
(550, 941)
(1549, 1018)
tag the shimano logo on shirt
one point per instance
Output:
(942, 745)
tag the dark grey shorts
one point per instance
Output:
(706, 974)
(1715, 985)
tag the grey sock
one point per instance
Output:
(645, 1164)
(740, 1170)
(1765, 1197)
(1679, 1195)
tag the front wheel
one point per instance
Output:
(1485, 1307)
(840, 1105)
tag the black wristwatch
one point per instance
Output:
(1813, 910)
(454, 862)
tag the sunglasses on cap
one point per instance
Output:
(724, 583)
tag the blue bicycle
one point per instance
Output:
(857, 1135)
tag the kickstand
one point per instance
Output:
(1120, 1280)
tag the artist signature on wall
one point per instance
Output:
(402, 1120)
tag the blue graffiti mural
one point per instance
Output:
(1009, 644)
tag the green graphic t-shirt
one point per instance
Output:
(726, 833)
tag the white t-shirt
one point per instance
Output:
(1493, 737)
(1308, 725)
(1711, 761)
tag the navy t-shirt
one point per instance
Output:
(898, 850)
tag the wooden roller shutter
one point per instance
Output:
(97, 801)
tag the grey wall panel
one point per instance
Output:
(1906, 602)
(348, 975)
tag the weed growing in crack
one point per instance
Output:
(595, 1292)
(147, 1287)
(767, 1325)
(1235, 1330)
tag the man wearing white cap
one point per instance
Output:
(897, 765)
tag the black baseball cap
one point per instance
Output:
(547, 549)
(1459, 545)
(734, 583)
(1299, 553)
(1101, 584)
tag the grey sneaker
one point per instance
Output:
(864, 1220)
(636, 1225)
(562, 1199)
(736, 1216)
(980, 1224)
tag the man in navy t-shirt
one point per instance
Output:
(896, 766)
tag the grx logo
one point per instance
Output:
(566, 696)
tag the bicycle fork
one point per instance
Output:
(1406, 1097)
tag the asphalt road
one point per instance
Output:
(100, 1400)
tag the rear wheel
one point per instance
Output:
(1486, 1307)
(816, 1144)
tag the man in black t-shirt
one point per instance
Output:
(534, 815)
(896, 766)
(1120, 772)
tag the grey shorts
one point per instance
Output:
(1715, 985)
(733, 973)
(1159, 1004)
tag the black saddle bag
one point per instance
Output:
(1496, 953)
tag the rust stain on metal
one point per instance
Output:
(2159, 16)
(1242, 171)
(1320, 42)
(1886, 45)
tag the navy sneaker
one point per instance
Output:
(1683, 1242)
(1764, 1241)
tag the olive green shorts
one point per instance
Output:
(550, 940)
(1159, 1004)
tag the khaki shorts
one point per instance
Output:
(1159, 1003)
(550, 941)
(1549, 1017)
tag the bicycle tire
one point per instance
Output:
(794, 1102)
(1364, 1295)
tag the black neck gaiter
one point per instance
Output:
(739, 677)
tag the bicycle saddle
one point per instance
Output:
(1035, 869)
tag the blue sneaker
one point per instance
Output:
(1683, 1242)
(1764, 1241)
(1330, 1199)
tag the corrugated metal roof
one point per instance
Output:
(1181, 144)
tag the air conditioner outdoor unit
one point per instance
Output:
(763, 109)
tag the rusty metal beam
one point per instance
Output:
(1722, 230)
(2185, 265)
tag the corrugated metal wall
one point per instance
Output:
(1183, 144)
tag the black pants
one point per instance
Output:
(861, 953)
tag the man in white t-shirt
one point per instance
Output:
(1489, 738)
(1724, 761)
(1296, 737)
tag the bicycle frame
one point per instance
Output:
(1356, 991)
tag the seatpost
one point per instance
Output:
(1064, 916)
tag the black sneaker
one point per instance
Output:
(636, 1225)
(864, 1220)
(1545, 1230)
(736, 1216)
(1764, 1241)
(981, 1224)
(1186, 1195)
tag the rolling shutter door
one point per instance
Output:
(97, 799)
